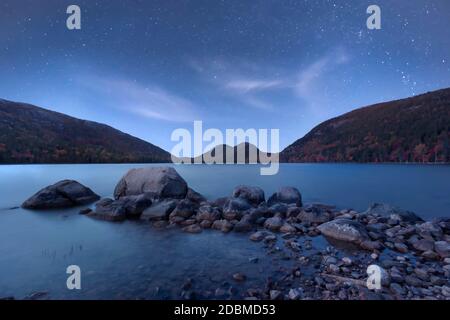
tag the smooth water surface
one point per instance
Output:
(133, 260)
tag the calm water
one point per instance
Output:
(132, 260)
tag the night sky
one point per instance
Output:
(148, 67)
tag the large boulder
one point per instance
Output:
(253, 195)
(163, 182)
(63, 194)
(344, 230)
(388, 211)
(159, 210)
(286, 195)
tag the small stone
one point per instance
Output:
(193, 228)
(401, 247)
(446, 291)
(397, 289)
(258, 236)
(273, 224)
(295, 294)
(287, 228)
(347, 261)
(430, 255)
(423, 245)
(442, 248)
(275, 295)
(85, 211)
(240, 277)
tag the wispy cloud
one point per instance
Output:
(311, 81)
(250, 84)
(148, 101)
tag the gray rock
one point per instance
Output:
(397, 289)
(423, 245)
(159, 210)
(386, 210)
(240, 277)
(135, 205)
(344, 230)
(222, 225)
(184, 209)
(275, 295)
(193, 228)
(253, 195)
(430, 255)
(258, 236)
(279, 209)
(63, 194)
(442, 248)
(85, 211)
(287, 228)
(314, 215)
(244, 225)
(208, 212)
(164, 182)
(430, 230)
(273, 224)
(371, 245)
(235, 207)
(194, 196)
(286, 195)
(110, 210)
(401, 247)
(295, 294)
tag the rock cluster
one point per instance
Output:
(413, 255)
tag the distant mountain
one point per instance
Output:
(29, 134)
(239, 154)
(416, 129)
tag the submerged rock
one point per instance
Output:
(163, 182)
(344, 230)
(273, 224)
(386, 210)
(130, 207)
(159, 210)
(63, 194)
(314, 215)
(222, 225)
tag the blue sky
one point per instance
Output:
(149, 67)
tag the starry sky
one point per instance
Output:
(149, 67)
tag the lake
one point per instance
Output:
(132, 260)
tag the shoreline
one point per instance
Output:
(413, 255)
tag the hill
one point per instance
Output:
(415, 129)
(30, 134)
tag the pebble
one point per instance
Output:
(295, 294)
(275, 295)
(240, 277)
